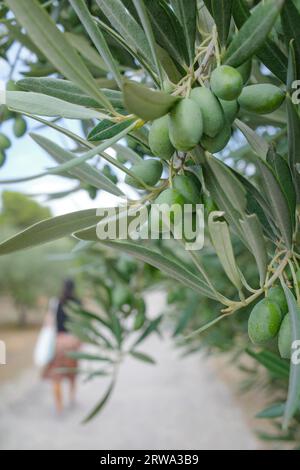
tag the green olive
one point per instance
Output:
(245, 70)
(216, 144)
(159, 140)
(231, 109)
(213, 118)
(189, 188)
(262, 98)
(285, 337)
(20, 127)
(264, 321)
(5, 142)
(148, 171)
(226, 83)
(185, 125)
(276, 295)
(2, 158)
(162, 217)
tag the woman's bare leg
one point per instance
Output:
(72, 389)
(57, 390)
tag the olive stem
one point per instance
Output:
(260, 291)
(202, 271)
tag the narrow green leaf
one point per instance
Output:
(144, 18)
(51, 41)
(269, 53)
(99, 149)
(275, 365)
(293, 141)
(147, 255)
(225, 202)
(293, 399)
(127, 26)
(256, 142)
(100, 405)
(253, 33)
(146, 103)
(43, 105)
(290, 17)
(221, 240)
(253, 232)
(186, 11)
(168, 30)
(142, 357)
(271, 412)
(84, 172)
(87, 52)
(186, 314)
(107, 129)
(151, 328)
(97, 37)
(227, 180)
(49, 230)
(284, 176)
(127, 153)
(278, 202)
(221, 12)
(68, 91)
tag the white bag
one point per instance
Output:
(45, 347)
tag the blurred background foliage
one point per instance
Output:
(116, 285)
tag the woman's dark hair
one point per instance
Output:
(68, 291)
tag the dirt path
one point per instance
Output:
(177, 404)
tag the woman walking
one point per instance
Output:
(62, 366)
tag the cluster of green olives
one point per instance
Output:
(206, 116)
(270, 319)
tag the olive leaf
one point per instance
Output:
(84, 172)
(186, 11)
(254, 234)
(271, 412)
(127, 27)
(278, 367)
(293, 126)
(168, 30)
(146, 103)
(269, 53)
(144, 18)
(68, 91)
(253, 33)
(258, 144)
(107, 129)
(284, 176)
(142, 357)
(158, 260)
(51, 41)
(220, 236)
(43, 105)
(293, 399)
(277, 199)
(102, 402)
(97, 37)
(87, 52)
(49, 230)
(231, 207)
(221, 12)
(290, 18)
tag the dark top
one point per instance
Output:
(61, 315)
